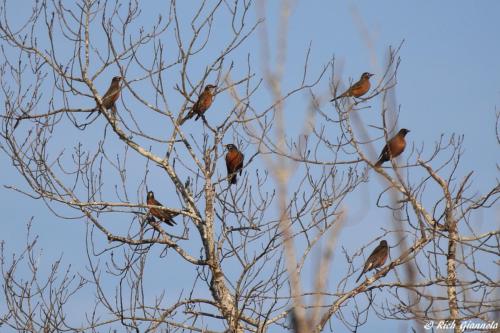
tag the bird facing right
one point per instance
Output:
(234, 162)
(394, 147)
(376, 259)
(202, 104)
(111, 96)
(358, 89)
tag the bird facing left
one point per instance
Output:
(160, 214)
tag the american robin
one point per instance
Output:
(202, 104)
(393, 148)
(358, 89)
(234, 162)
(376, 259)
(111, 95)
(160, 214)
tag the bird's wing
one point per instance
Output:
(368, 265)
(384, 152)
(372, 259)
(355, 85)
(241, 164)
(228, 162)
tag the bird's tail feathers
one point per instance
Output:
(339, 96)
(170, 222)
(233, 179)
(188, 116)
(360, 275)
(183, 120)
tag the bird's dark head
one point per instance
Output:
(151, 195)
(117, 79)
(210, 88)
(404, 131)
(230, 146)
(383, 243)
(366, 75)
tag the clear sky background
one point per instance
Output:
(448, 82)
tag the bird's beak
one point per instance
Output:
(371, 74)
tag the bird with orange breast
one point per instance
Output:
(160, 214)
(394, 147)
(111, 96)
(202, 104)
(358, 89)
(234, 163)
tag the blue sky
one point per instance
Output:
(448, 82)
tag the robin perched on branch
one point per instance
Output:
(202, 104)
(376, 259)
(394, 147)
(111, 96)
(160, 214)
(234, 162)
(358, 89)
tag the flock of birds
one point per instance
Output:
(393, 148)
(234, 158)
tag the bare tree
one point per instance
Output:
(244, 247)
